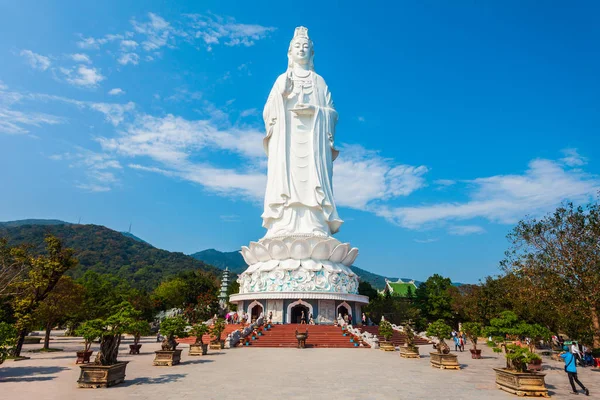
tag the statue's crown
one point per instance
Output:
(301, 32)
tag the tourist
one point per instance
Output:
(571, 370)
(575, 351)
(461, 341)
(302, 318)
(349, 319)
(364, 319)
(270, 316)
(311, 321)
(456, 341)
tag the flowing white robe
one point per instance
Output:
(299, 195)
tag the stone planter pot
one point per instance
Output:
(167, 358)
(521, 383)
(535, 366)
(32, 340)
(215, 346)
(134, 348)
(475, 354)
(198, 349)
(386, 346)
(444, 361)
(101, 376)
(409, 352)
(83, 357)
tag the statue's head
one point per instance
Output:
(301, 49)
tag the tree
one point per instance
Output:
(170, 328)
(8, 336)
(217, 329)
(440, 330)
(560, 255)
(366, 289)
(386, 330)
(40, 279)
(473, 330)
(434, 299)
(63, 302)
(111, 328)
(14, 262)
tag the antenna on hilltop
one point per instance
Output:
(130, 227)
(79, 221)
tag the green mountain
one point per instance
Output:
(132, 236)
(21, 222)
(232, 259)
(107, 251)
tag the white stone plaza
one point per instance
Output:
(271, 373)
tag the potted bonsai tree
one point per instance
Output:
(170, 328)
(386, 331)
(473, 330)
(216, 331)
(516, 378)
(106, 370)
(199, 347)
(8, 339)
(138, 329)
(442, 358)
(409, 350)
(90, 331)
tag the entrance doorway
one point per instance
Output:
(296, 314)
(343, 311)
(255, 312)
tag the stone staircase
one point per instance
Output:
(207, 338)
(398, 339)
(319, 336)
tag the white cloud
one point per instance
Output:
(249, 112)
(157, 31)
(98, 168)
(362, 176)
(129, 58)
(129, 44)
(113, 113)
(424, 241)
(36, 61)
(83, 76)
(444, 182)
(361, 119)
(116, 92)
(504, 198)
(17, 121)
(213, 29)
(81, 58)
(462, 230)
(572, 158)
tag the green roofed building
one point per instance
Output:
(400, 288)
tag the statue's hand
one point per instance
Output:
(288, 85)
(304, 109)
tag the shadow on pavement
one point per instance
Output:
(197, 361)
(23, 374)
(157, 380)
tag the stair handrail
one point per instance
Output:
(368, 338)
(234, 337)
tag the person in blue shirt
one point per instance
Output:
(571, 370)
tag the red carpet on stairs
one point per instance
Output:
(319, 336)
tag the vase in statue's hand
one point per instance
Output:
(303, 109)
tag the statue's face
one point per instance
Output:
(301, 51)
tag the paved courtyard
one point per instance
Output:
(266, 373)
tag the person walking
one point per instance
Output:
(456, 342)
(302, 318)
(364, 319)
(571, 370)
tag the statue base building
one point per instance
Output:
(299, 273)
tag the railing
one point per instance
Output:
(234, 337)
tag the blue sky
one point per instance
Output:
(455, 121)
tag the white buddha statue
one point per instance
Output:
(300, 120)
